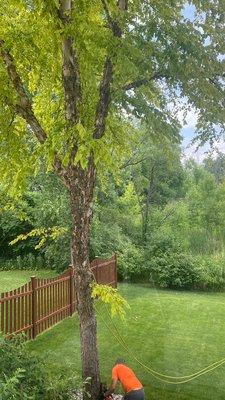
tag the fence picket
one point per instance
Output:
(19, 309)
(10, 310)
(26, 306)
(30, 310)
(14, 323)
(47, 303)
(2, 314)
(42, 306)
(34, 306)
(55, 303)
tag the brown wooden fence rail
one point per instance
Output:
(41, 303)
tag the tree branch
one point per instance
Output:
(217, 85)
(70, 68)
(130, 163)
(123, 5)
(24, 106)
(113, 25)
(143, 81)
(102, 108)
(104, 100)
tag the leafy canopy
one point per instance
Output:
(161, 56)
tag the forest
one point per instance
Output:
(162, 216)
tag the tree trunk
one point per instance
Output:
(146, 207)
(145, 220)
(81, 185)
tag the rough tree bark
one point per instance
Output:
(80, 184)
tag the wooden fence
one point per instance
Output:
(41, 303)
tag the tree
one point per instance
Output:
(158, 178)
(216, 165)
(13, 223)
(74, 75)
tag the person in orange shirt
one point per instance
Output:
(132, 387)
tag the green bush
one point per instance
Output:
(162, 244)
(23, 376)
(27, 262)
(180, 271)
(130, 262)
(165, 263)
(211, 273)
(53, 257)
(134, 260)
(57, 254)
(175, 271)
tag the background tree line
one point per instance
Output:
(165, 219)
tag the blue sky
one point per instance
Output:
(188, 130)
(188, 133)
(189, 12)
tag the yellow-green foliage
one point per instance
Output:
(158, 45)
(111, 297)
(44, 234)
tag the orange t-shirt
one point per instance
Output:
(127, 378)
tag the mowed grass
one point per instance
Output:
(176, 333)
(10, 280)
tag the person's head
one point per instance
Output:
(120, 361)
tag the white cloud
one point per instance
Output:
(191, 151)
(219, 146)
(186, 115)
(188, 119)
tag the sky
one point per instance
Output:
(188, 130)
(188, 133)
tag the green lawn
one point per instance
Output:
(13, 279)
(176, 333)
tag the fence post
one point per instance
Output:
(34, 306)
(115, 269)
(71, 290)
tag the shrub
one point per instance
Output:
(23, 376)
(175, 271)
(130, 262)
(165, 264)
(211, 273)
(162, 244)
(134, 261)
(54, 257)
(27, 262)
(57, 254)
(181, 271)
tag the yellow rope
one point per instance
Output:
(163, 375)
(158, 375)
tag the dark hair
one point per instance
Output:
(120, 361)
